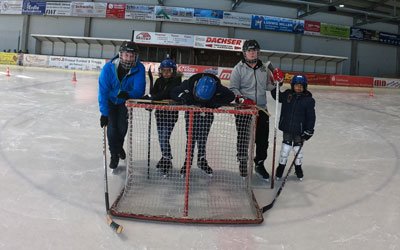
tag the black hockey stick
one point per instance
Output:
(269, 206)
(116, 227)
(149, 127)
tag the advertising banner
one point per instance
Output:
(386, 82)
(277, 24)
(235, 19)
(363, 34)
(312, 78)
(35, 60)
(76, 63)
(89, 9)
(219, 43)
(352, 81)
(174, 14)
(8, 58)
(153, 66)
(33, 8)
(139, 12)
(389, 38)
(336, 31)
(163, 38)
(10, 7)
(58, 8)
(189, 70)
(224, 73)
(312, 28)
(115, 10)
(210, 17)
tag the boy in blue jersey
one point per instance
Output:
(122, 78)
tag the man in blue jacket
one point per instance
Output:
(122, 78)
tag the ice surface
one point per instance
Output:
(51, 175)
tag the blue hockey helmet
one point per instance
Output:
(299, 79)
(168, 63)
(204, 89)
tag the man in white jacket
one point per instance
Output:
(250, 81)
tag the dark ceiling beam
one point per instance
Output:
(235, 4)
(377, 4)
(323, 8)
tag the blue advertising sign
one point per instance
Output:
(277, 24)
(33, 8)
(389, 38)
(204, 13)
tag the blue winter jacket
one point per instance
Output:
(297, 113)
(109, 85)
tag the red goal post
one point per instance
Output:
(184, 190)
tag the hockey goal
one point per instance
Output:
(165, 182)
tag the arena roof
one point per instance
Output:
(364, 11)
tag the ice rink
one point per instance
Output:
(51, 175)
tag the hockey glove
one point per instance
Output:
(239, 99)
(103, 121)
(147, 97)
(123, 95)
(307, 135)
(184, 97)
(278, 76)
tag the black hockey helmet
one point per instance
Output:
(129, 46)
(250, 44)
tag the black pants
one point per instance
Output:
(243, 123)
(117, 127)
(201, 128)
(165, 124)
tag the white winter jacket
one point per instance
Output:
(244, 80)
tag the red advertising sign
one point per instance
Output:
(115, 10)
(312, 27)
(312, 78)
(352, 81)
(189, 70)
(220, 43)
(224, 73)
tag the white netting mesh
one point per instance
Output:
(158, 184)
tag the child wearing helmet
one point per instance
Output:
(165, 120)
(121, 78)
(204, 90)
(297, 122)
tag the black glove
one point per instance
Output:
(147, 97)
(184, 97)
(123, 95)
(307, 135)
(213, 105)
(103, 121)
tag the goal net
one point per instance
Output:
(182, 165)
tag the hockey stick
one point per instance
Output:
(116, 227)
(149, 127)
(275, 132)
(269, 206)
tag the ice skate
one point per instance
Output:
(279, 171)
(114, 161)
(203, 165)
(299, 172)
(261, 172)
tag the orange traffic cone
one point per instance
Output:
(371, 92)
(74, 77)
(8, 72)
